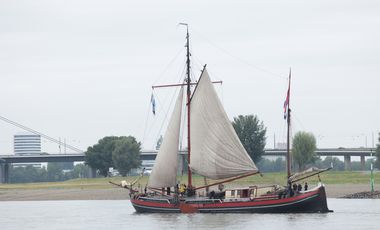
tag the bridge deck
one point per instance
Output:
(151, 155)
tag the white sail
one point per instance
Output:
(166, 164)
(216, 151)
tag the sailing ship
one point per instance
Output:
(215, 152)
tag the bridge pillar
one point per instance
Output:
(362, 163)
(347, 162)
(4, 173)
(91, 172)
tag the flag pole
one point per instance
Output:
(288, 160)
(188, 96)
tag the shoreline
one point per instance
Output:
(46, 194)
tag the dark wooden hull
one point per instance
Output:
(311, 201)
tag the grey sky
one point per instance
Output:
(82, 70)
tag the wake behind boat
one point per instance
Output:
(215, 152)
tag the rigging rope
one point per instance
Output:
(238, 58)
(146, 120)
(166, 115)
(170, 105)
(167, 66)
(147, 127)
(161, 104)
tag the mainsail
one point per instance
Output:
(216, 151)
(165, 168)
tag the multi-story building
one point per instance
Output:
(27, 143)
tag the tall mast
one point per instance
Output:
(288, 159)
(188, 83)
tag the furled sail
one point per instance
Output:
(216, 151)
(166, 164)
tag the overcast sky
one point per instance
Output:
(82, 70)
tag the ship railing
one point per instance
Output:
(313, 189)
(210, 201)
(155, 199)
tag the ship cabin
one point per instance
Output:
(251, 193)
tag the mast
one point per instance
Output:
(288, 159)
(188, 83)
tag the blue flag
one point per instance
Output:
(153, 101)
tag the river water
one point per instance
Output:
(112, 214)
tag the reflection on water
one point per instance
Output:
(348, 214)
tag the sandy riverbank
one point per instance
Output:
(63, 194)
(333, 191)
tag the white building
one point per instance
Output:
(26, 143)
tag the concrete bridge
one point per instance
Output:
(5, 160)
(347, 153)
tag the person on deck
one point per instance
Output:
(306, 186)
(289, 191)
(295, 188)
(299, 187)
(182, 189)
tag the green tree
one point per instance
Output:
(80, 171)
(266, 165)
(251, 132)
(54, 172)
(26, 174)
(377, 163)
(337, 165)
(99, 156)
(303, 149)
(126, 155)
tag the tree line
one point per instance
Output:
(123, 154)
(279, 164)
(53, 172)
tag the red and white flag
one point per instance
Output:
(286, 103)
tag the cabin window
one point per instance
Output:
(238, 192)
(252, 193)
(232, 192)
